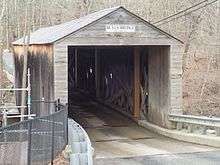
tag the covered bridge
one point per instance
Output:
(113, 56)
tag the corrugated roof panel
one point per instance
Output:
(54, 33)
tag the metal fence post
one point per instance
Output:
(66, 122)
(58, 104)
(55, 107)
(29, 94)
(217, 131)
(4, 117)
(42, 104)
(29, 143)
(52, 143)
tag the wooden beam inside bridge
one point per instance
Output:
(97, 73)
(136, 87)
(76, 67)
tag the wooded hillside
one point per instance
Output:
(196, 23)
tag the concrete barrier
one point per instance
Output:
(81, 148)
(213, 141)
(79, 159)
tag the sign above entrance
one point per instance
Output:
(122, 28)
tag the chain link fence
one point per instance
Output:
(33, 142)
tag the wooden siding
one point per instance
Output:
(165, 83)
(61, 73)
(40, 62)
(176, 55)
(158, 74)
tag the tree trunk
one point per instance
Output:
(1, 49)
(25, 56)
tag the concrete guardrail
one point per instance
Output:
(81, 148)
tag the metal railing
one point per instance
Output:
(28, 107)
(46, 105)
(195, 123)
(35, 141)
(81, 147)
(5, 113)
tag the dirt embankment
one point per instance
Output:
(201, 88)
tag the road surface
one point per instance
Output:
(119, 141)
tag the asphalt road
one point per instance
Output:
(119, 141)
(201, 158)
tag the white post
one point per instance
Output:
(4, 117)
(29, 94)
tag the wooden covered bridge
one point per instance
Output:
(112, 56)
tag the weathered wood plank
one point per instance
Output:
(136, 93)
(176, 79)
(61, 73)
(158, 74)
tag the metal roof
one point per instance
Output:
(51, 34)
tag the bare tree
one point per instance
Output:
(1, 46)
(25, 54)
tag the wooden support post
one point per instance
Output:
(179, 126)
(136, 83)
(97, 73)
(217, 131)
(204, 129)
(190, 128)
(76, 67)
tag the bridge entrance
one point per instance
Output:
(132, 80)
(110, 75)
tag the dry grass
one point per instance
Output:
(195, 77)
(61, 160)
